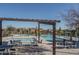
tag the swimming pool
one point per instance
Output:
(49, 37)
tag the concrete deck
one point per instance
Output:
(45, 45)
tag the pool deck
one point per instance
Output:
(45, 45)
(61, 51)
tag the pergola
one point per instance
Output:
(39, 21)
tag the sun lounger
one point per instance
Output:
(12, 51)
(2, 51)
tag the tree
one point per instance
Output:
(72, 19)
(10, 29)
(59, 31)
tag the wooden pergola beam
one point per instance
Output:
(44, 21)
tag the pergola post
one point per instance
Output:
(38, 32)
(54, 38)
(0, 32)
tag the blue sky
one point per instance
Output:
(36, 11)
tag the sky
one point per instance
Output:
(35, 11)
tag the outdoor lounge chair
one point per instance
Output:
(12, 51)
(2, 51)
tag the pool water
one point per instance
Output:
(22, 39)
(47, 37)
(25, 39)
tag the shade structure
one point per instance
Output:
(43, 21)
